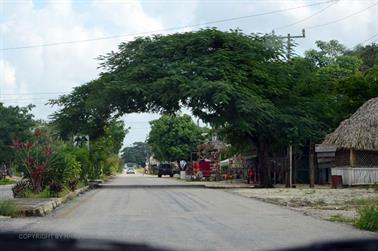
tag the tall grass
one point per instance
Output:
(7, 181)
(368, 217)
(8, 208)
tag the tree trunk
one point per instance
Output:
(263, 162)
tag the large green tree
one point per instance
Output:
(137, 153)
(15, 124)
(241, 84)
(174, 137)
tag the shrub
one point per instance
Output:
(33, 157)
(112, 165)
(8, 208)
(55, 188)
(64, 169)
(86, 166)
(368, 217)
(72, 169)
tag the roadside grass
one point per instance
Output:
(8, 208)
(43, 194)
(341, 218)
(46, 193)
(374, 186)
(368, 217)
(358, 203)
(7, 181)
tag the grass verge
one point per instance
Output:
(7, 181)
(368, 218)
(341, 218)
(8, 208)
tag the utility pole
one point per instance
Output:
(288, 54)
(311, 164)
(289, 38)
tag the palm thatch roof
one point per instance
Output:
(360, 131)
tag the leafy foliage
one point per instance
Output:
(137, 153)
(368, 218)
(15, 124)
(174, 137)
(34, 157)
(241, 84)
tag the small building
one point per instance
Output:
(356, 146)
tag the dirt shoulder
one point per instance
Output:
(326, 203)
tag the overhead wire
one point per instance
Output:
(164, 30)
(343, 18)
(307, 18)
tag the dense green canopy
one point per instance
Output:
(241, 84)
(15, 124)
(174, 137)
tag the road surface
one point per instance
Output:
(166, 213)
(6, 192)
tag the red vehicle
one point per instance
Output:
(202, 168)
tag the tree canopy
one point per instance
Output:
(15, 124)
(174, 137)
(137, 153)
(239, 83)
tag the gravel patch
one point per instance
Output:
(321, 202)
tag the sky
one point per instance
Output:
(58, 55)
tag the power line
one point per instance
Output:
(343, 18)
(368, 39)
(306, 18)
(163, 30)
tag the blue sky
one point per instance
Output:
(36, 74)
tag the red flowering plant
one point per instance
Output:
(34, 156)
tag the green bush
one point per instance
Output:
(112, 165)
(7, 181)
(368, 218)
(72, 169)
(45, 193)
(64, 169)
(8, 208)
(86, 170)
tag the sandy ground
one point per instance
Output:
(322, 202)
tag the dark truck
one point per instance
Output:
(165, 169)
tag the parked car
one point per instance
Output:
(130, 171)
(165, 169)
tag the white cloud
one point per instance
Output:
(7, 75)
(59, 68)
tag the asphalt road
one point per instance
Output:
(6, 192)
(166, 213)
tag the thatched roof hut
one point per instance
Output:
(356, 142)
(360, 131)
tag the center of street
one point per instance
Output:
(163, 212)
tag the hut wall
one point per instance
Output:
(365, 170)
(367, 158)
(357, 175)
(342, 157)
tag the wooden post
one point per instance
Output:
(352, 158)
(290, 166)
(311, 164)
(352, 162)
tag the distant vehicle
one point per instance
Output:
(130, 171)
(165, 169)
